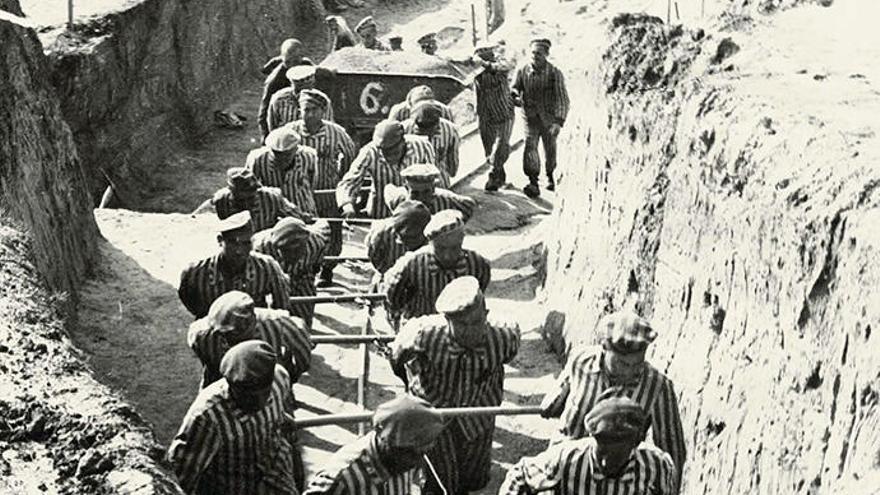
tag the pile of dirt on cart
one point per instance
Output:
(363, 60)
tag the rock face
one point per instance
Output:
(42, 184)
(135, 82)
(737, 210)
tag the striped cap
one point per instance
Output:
(313, 96)
(229, 308)
(407, 422)
(365, 23)
(249, 364)
(426, 113)
(289, 231)
(443, 223)
(626, 332)
(616, 417)
(241, 179)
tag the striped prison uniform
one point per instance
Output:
(414, 283)
(384, 248)
(495, 115)
(335, 151)
(583, 380)
(446, 142)
(295, 180)
(447, 374)
(268, 207)
(275, 82)
(284, 108)
(545, 102)
(203, 281)
(356, 469)
(273, 326)
(401, 111)
(222, 450)
(570, 468)
(301, 272)
(443, 199)
(370, 162)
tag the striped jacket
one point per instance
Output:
(447, 374)
(414, 283)
(301, 272)
(543, 93)
(274, 326)
(202, 282)
(221, 450)
(570, 468)
(384, 248)
(494, 104)
(336, 150)
(443, 199)
(356, 469)
(446, 142)
(583, 380)
(269, 205)
(401, 111)
(296, 181)
(370, 162)
(284, 108)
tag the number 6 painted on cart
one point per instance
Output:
(371, 98)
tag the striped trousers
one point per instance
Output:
(538, 129)
(496, 144)
(462, 465)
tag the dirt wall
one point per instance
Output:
(135, 83)
(725, 186)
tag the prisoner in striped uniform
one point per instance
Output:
(421, 185)
(539, 88)
(235, 267)
(335, 151)
(494, 110)
(243, 192)
(284, 106)
(401, 111)
(233, 319)
(389, 239)
(611, 462)
(299, 249)
(384, 461)
(383, 159)
(416, 280)
(426, 121)
(236, 436)
(619, 366)
(291, 56)
(457, 360)
(285, 164)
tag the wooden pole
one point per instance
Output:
(370, 297)
(677, 16)
(70, 15)
(346, 258)
(474, 24)
(357, 221)
(344, 419)
(488, 13)
(351, 339)
(668, 11)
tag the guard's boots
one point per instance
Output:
(551, 183)
(532, 190)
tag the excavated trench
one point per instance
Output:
(719, 177)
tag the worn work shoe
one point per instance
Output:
(492, 185)
(551, 185)
(532, 191)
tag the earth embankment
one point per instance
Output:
(724, 184)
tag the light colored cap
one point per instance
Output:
(443, 223)
(365, 23)
(626, 332)
(300, 72)
(407, 422)
(282, 139)
(229, 307)
(485, 46)
(420, 172)
(313, 96)
(419, 93)
(249, 364)
(235, 222)
(459, 295)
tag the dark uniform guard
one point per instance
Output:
(233, 319)
(428, 43)
(384, 461)
(299, 249)
(609, 462)
(291, 56)
(366, 29)
(396, 42)
(285, 164)
(389, 239)
(235, 438)
(457, 360)
(421, 185)
(494, 111)
(382, 159)
(539, 87)
(243, 192)
(285, 107)
(401, 111)
(336, 150)
(619, 366)
(415, 282)
(426, 121)
(235, 267)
